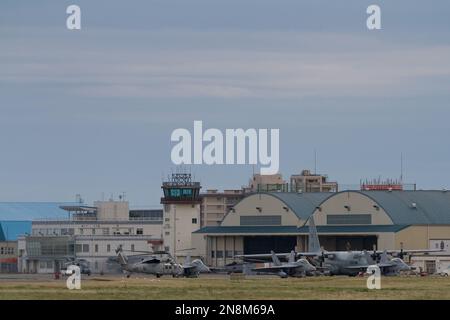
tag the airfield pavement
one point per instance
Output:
(219, 287)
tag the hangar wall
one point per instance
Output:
(357, 204)
(269, 205)
(418, 237)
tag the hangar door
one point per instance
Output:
(264, 244)
(343, 243)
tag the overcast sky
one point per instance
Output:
(92, 111)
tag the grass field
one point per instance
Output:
(223, 288)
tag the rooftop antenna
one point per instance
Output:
(401, 167)
(315, 161)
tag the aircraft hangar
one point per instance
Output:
(347, 220)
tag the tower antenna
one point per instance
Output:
(315, 161)
(401, 167)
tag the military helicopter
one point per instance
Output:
(158, 265)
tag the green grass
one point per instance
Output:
(223, 288)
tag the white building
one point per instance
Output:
(90, 233)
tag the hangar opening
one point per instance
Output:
(343, 243)
(264, 244)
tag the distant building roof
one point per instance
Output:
(11, 230)
(27, 211)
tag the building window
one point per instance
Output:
(213, 254)
(93, 231)
(194, 220)
(132, 247)
(96, 248)
(105, 231)
(140, 231)
(167, 248)
(108, 248)
(229, 254)
(85, 248)
(81, 231)
(349, 219)
(78, 248)
(96, 265)
(167, 233)
(220, 254)
(260, 220)
(167, 219)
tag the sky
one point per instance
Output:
(91, 111)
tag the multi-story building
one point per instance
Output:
(215, 205)
(182, 203)
(92, 233)
(309, 182)
(266, 183)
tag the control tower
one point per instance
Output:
(181, 215)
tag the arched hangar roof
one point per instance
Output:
(414, 207)
(403, 207)
(302, 204)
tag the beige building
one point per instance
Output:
(215, 205)
(266, 183)
(8, 256)
(181, 215)
(309, 182)
(345, 220)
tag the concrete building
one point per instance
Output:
(351, 219)
(266, 183)
(309, 182)
(215, 205)
(182, 206)
(91, 233)
(9, 253)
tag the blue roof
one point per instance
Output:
(27, 211)
(301, 230)
(10, 230)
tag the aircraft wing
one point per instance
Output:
(411, 251)
(357, 267)
(188, 267)
(273, 268)
(268, 256)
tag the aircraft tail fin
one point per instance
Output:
(313, 238)
(188, 259)
(292, 257)
(275, 259)
(123, 260)
(384, 257)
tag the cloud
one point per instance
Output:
(249, 64)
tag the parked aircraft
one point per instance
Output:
(155, 264)
(292, 268)
(345, 262)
